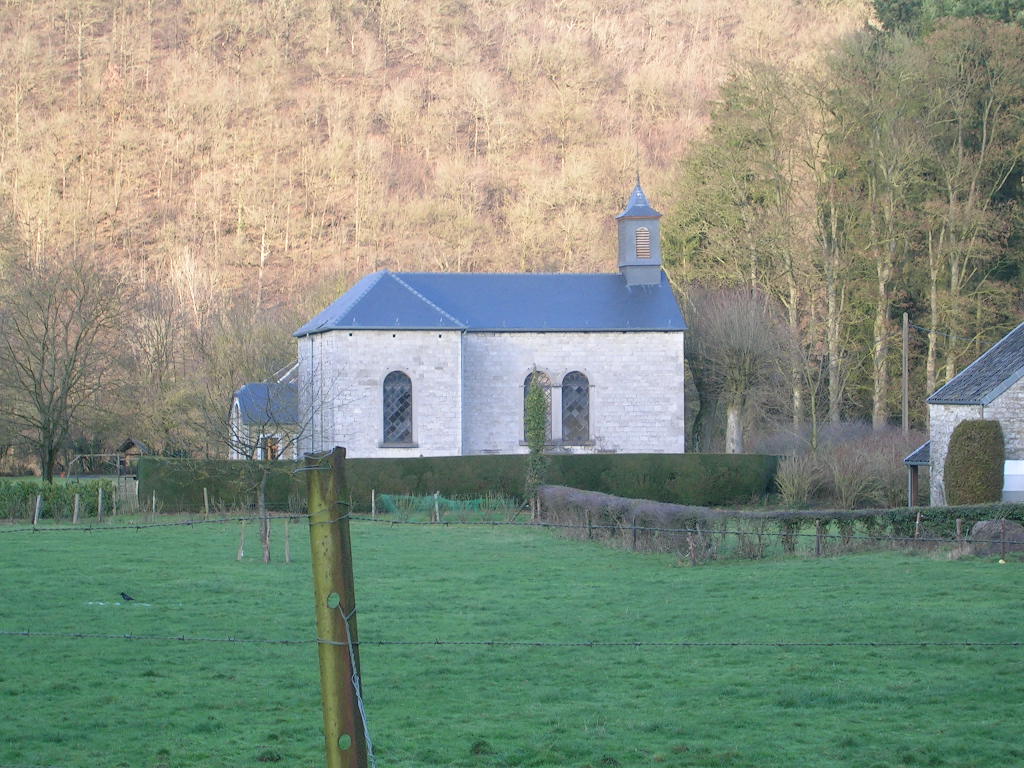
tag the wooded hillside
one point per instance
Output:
(239, 162)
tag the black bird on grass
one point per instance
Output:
(126, 597)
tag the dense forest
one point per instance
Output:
(183, 183)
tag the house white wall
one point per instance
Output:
(341, 375)
(636, 388)
(468, 389)
(1007, 409)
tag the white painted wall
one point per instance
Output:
(344, 398)
(468, 389)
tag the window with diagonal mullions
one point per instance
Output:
(397, 409)
(575, 408)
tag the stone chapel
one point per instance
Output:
(409, 364)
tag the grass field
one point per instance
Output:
(163, 703)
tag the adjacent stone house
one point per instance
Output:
(992, 387)
(430, 364)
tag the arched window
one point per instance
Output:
(575, 408)
(545, 384)
(643, 243)
(397, 409)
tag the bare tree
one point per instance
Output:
(737, 350)
(57, 346)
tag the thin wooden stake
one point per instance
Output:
(113, 503)
(99, 505)
(334, 595)
(917, 525)
(693, 549)
(241, 543)
(634, 534)
(206, 504)
(287, 546)
(437, 509)
(74, 516)
(153, 507)
(39, 509)
(590, 526)
(373, 503)
(817, 538)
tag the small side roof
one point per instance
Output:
(987, 377)
(921, 457)
(269, 402)
(500, 302)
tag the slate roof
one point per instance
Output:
(987, 377)
(269, 402)
(637, 207)
(486, 302)
(921, 457)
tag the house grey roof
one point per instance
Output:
(500, 302)
(987, 377)
(269, 402)
(638, 207)
(921, 457)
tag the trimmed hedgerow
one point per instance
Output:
(18, 498)
(973, 470)
(676, 478)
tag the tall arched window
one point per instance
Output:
(397, 409)
(545, 384)
(575, 408)
(643, 243)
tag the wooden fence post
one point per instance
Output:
(817, 538)
(959, 532)
(99, 504)
(206, 504)
(437, 508)
(373, 503)
(590, 526)
(241, 543)
(287, 546)
(39, 509)
(334, 595)
(74, 516)
(634, 532)
(153, 507)
(917, 525)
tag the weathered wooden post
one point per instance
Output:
(287, 545)
(206, 504)
(39, 509)
(153, 507)
(817, 538)
(959, 533)
(78, 503)
(99, 504)
(334, 594)
(113, 503)
(590, 526)
(917, 525)
(437, 508)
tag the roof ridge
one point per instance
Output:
(423, 298)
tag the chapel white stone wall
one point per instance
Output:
(1007, 409)
(636, 389)
(341, 375)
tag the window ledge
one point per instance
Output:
(398, 445)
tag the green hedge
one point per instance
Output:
(18, 498)
(681, 478)
(973, 470)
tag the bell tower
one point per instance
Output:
(639, 240)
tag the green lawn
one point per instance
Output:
(112, 702)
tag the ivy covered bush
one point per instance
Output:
(973, 470)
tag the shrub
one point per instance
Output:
(798, 479)
(973, 470)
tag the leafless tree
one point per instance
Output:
(58, 322)
(737, 349)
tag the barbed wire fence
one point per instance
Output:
(587, 528)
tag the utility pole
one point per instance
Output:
(334, 593)
(906, 374)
